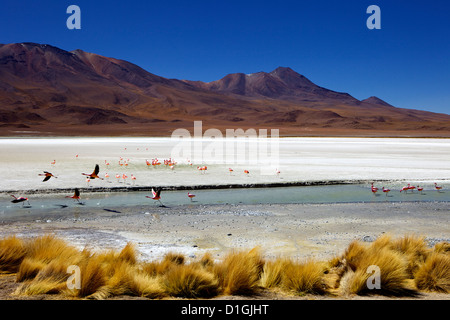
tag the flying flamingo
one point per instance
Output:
(76, 195)
(190, 195)
(386, 191)
(156, 195)
(47, 175)
(438, 188)
(20, 199)
(94, 175)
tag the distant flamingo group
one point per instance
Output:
(405, 189)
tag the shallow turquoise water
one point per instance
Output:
(47, 204)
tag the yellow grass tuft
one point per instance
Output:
(189, 281)
(434, 274)
(12, 252)
(272, 274)
(303, 278)
(239, 272)
(442, 247)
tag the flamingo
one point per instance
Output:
(247, 172)
(47, 175)
(277, 172)
(230, 170)
(406, 188)
(53, 162)
(87, 181)
(420, 189)
(411, 188)
(124, 177)
(76, 195)
(107, 176)
(94, 175)
(374, 189)
(202, 169)
(133, 179)
(118, 177)
(190, 195)
(438, 188)
(156, 195)
(20, 199)
(386, 191)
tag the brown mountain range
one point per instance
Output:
(45, 90)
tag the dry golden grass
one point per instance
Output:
(407, 265)
(12, 252)
(189, 281)
(239, 272)
(434, 274)
(305, 277)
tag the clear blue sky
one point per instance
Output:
(406, 63)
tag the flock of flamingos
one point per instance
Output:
(156, 192)
(170, 163)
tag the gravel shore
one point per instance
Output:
(319, 231)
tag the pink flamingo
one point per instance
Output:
(386, 191)
(405, 188)
(20, 199)
(438, 188)
(118, 177)
(76, 195)
(133, 179)
(230, 170)
(190, 195)
(124, 177)
(420, 189)
(247, 172)
(156, 195)
(374, 189)
(107, 176)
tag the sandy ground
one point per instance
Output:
(296, 230)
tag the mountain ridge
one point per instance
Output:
(48, 90)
